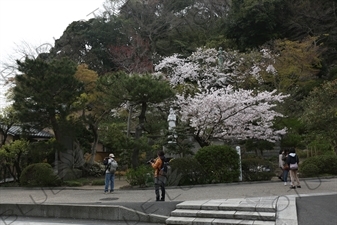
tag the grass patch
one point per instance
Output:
(98, 182)
(83, 181)
(70, 183)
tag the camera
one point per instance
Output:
(150, 161)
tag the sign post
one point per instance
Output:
(238, 149)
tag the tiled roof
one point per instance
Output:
(17, 130)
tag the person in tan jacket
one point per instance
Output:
(159, 179)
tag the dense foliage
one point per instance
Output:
(39, 175)
(259, 71)
(220, 162)
(318, 165)
(187, 171)
(141, 176)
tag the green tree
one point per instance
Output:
(88, 42)
(320, 113)
(252, 23)
(311, 18)
(14, 157)
(140, 91)
(45, 93)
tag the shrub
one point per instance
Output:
(326, 164)
(93, 170)
(309, 170)
(39, 175)
(220, 163)
(186, 171)
(140, 176)
(256, 169)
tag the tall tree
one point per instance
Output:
(320, 112)
(252, 23)
(45, 92)
(310, 18)
(88, 42)
(210, 103)
(141, 91)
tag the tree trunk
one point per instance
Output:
(138, 134)
(201, 141)
(94, 129)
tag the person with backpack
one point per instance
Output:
(110, 169)
(293, 161)
(159, 175)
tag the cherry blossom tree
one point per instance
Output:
(220, 106)
(204, 66)
(231, 114)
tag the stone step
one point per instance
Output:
(224, 214)
(230, 206)
(215, 221)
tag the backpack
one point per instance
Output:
(165, 168)
(112, 167)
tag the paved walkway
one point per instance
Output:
(143, 199)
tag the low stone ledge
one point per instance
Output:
(93, 212)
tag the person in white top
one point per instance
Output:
(110, 169)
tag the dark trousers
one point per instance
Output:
(159, 183)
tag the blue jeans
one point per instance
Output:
(109, 179)
(285, 175)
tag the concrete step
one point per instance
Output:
(230, 205)
(224, 214)
(225, 211)
(213, 221)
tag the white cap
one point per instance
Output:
(111, 155)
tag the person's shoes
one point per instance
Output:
(112, 191)
(292, 187)
(298, 186)
(162, 199)
(105, 192)
(285, 183)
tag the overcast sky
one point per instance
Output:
(36, 23)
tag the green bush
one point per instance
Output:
(93, 170)
(220, 163)
(326, 164)
(256, 169)
(140, 176)
(186, 171)
(39, 175)
(309, 170)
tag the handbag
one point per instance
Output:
(294, 166)
(286, 167)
